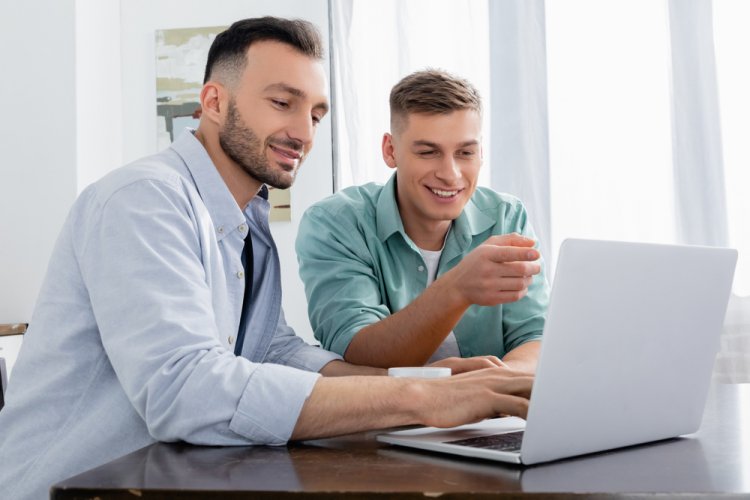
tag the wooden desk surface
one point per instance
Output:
(715, 462)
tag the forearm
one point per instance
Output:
(524, 357)
(410, 336)
(355, 404)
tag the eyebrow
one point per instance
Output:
(283, 87)
(419, 142)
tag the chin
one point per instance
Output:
(444, 216)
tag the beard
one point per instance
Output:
(244, 147)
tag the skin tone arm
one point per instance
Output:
(497, 272)
(524, 357)
(457, 365)
(358, 403)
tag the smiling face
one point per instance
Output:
(273, 111)
(437, 157)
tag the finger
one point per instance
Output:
(510, 405)
(464, 365)
(457, 365)
(514, 284)
(518, 269)
(506, 297)
(512, 254)
(496, 361)
(513, 383)
(511, 239)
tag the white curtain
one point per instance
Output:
(700, 140)
(518, 112)
(611, 119)
(374, 45)
(732, 38)
(696, 138)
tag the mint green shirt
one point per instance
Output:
(359, 266)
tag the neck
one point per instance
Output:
(428, 236)
(241, 184)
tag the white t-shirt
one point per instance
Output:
(449, 347)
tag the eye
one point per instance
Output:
(280, 104)
(466, 153)
(316, 119)
(426, 154)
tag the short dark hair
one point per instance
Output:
(230, 46)
(431, 92)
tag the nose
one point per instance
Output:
(448, 171)
(301, 129)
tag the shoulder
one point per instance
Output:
(157, 176)
(354, 203)
(160, 169)
(502, 212)
(347, 219)
(140, 190)
(489, 200)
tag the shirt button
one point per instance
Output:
(230, 340)
(220, 229)
(242, 228)
(420, 268)
(240, 274)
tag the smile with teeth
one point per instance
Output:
(444, 194)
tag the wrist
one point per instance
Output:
(415, 400)
(448, 288)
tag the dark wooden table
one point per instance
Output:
(715, 462)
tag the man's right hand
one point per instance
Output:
(342, 405)
(473, 396)
(497, 272)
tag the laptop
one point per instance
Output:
(628, 349)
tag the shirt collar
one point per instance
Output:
(388, 216)
(225, 213)
(471, 222)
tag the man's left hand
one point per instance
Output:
(463, 365)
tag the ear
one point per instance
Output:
(213, 102)
(388, 151)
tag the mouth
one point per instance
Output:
(289, 154)
(445, 194)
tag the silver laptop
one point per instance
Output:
(627, 353)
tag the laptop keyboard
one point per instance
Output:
(508, 441)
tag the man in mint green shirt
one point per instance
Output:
(427, 266)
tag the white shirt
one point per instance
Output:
(449, 347)
(133, 333)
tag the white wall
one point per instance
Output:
(37, 144)
(98, 89)
(79, 95)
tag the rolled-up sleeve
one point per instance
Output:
(141, 260)
(342, 288)
(290, 350)
(268, 385)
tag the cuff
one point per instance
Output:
(311, 358)
(271, 403)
